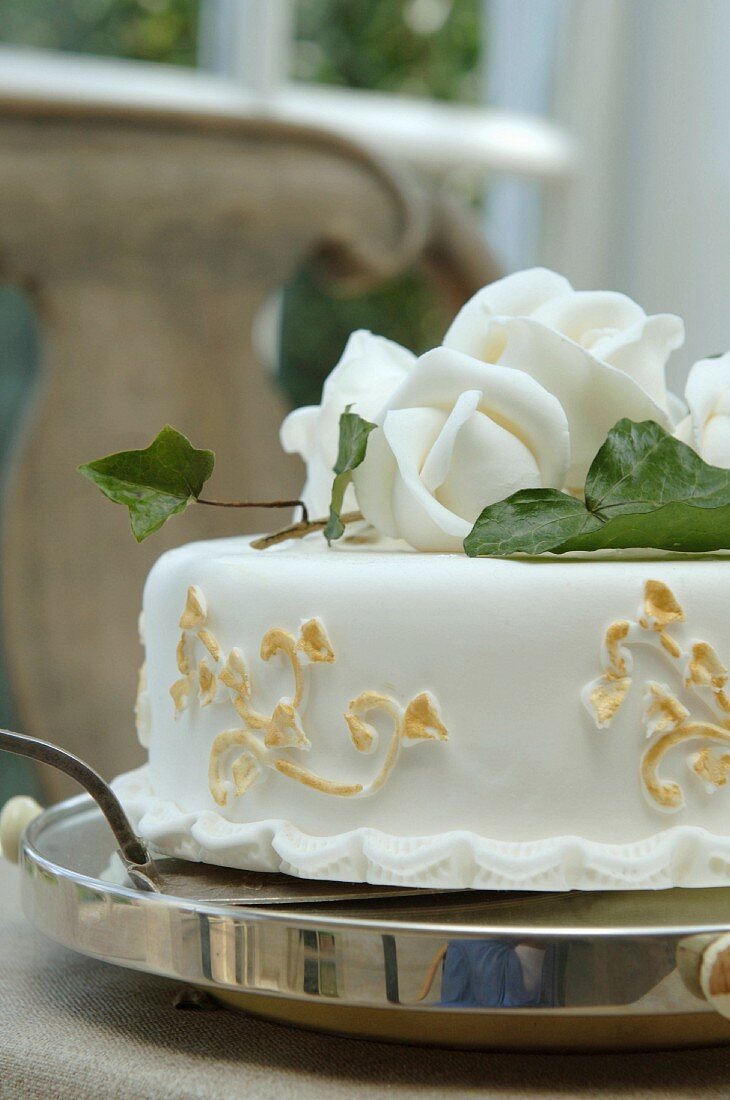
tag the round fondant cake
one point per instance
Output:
(371, 713)
(504, 664)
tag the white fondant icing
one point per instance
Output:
(680, 856)
(524, 789)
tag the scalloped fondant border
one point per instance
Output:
(680, 856)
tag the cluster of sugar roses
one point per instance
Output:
(542, 425)
(531, 378)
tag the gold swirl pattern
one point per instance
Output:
(283, 729)
(667, 721)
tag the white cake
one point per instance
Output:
(445, 733)
(387, 709)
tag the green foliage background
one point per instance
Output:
(417, 47)
(385, 46)
(146, 30)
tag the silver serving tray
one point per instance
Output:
(618, 970)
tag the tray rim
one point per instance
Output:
(288, 914)
(256, 958)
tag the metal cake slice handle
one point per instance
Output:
(177, 877)
(137, 860)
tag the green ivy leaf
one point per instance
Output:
(529, 522)
(679, 526)
(644, 489)
(354, 432)
(154, 483)
(641, 467)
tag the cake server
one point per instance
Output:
(183, 878)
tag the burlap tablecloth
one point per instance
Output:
(73, 1028)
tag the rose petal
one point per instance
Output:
(676, 406)
(436, 466)
(299, 435)
(370, 368)
(513, 399)
(488, 463)
(297, 432)
(716, 442)
(683, 432)
(417, 526)
(420, 519)
(642, 352)
(590, 316)
(373, 484)
(708, 380)
(517, 295)
(593, 394)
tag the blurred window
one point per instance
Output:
(429, 48)
(414, 47)
(371, 69)
(145, 30)
(331, 63)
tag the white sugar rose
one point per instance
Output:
(707, 428)
(598, 353)
(369, 370)
(456, 435)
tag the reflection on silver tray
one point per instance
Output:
(574, 971)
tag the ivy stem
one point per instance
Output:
(299, 530)
(258, 504)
